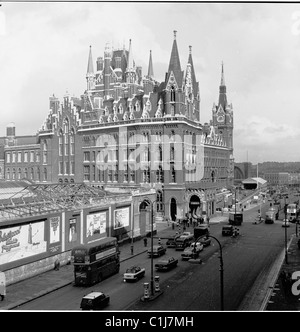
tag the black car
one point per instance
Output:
(227, 230)
(166, 264)
(157, 251)
(94, 301)
(171, 242)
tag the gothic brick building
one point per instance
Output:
(130, 131)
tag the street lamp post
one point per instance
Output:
(285, 231)
(152, 279)
(221, 271)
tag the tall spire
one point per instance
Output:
(90, 68)
(222, 75)
(150, 67)
(222, 90)
(130, 61)
(193, 76)
(174, 64)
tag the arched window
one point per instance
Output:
(19, 174)
(60, 143)
(173, 174)
(8, 174)
(159, 201)
(31, 173)
(45, 174)
(172, 94)
(38, 173)
(44, 147)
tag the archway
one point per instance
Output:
(173, 209)
(194, 205)
(145, 216)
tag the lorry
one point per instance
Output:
(271, 215)
(235, 218)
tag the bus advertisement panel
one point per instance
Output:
(94, 262)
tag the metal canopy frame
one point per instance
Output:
(37, 199)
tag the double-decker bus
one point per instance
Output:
(94, 262)
(291, 212)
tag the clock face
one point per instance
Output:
(220, 118)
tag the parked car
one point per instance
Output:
(206, 241)
(166, 264)
(94, 301)
(158, 250)
(134, 273)
(192, 251)
(227, 230)
(171, 242)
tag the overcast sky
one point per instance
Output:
(44, 50)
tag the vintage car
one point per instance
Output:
(227, 230)
(184, 240)
(133, 273)
(156, 251)
(192, 251)
(206, 241)
(94, 301)
(166, 264)
(171, 242)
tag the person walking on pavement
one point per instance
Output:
(145, 242)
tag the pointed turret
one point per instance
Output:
(194, 82)
(174, 64)
(90, 67)
(90, 76)
(150, 67)
(222, 91)
(130, 61)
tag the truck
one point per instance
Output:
(235, 218)
(271, 215)
(201, 231)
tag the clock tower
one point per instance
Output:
(222, 114)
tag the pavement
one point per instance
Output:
(276, 298)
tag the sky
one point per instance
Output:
(44, 50)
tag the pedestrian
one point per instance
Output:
(56, 265)
(145, 242)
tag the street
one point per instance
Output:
(189, 286)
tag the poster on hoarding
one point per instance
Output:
(72, 230)
(121, 218)
(54, 229)
(96, 224)
(22, 241)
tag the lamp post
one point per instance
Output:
(285, 231)
(152, 271)
(221, 271)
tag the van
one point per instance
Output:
(235, 218)
(184, 241)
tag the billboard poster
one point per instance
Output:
(121, 218)
(22, 241)
(72, 230)
(95, 224)
(54, 229)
